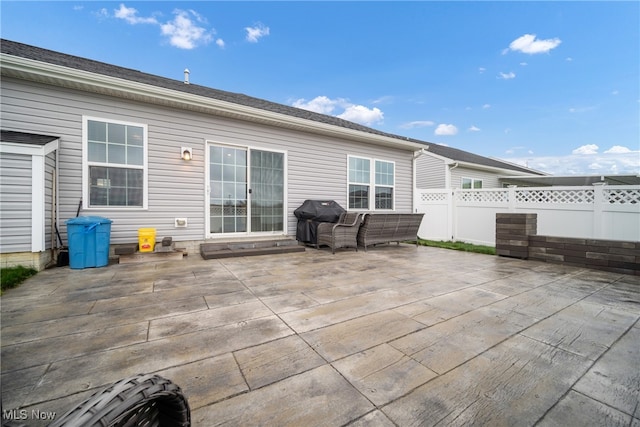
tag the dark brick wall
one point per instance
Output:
(516, 237)
(512, 234)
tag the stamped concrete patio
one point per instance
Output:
(398, 335)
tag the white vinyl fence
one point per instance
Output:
(596, 212)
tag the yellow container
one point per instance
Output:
(146, 239)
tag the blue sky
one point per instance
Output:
(553, 85)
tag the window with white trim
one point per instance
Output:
(371, 184)
(468, 183)
(115, 174)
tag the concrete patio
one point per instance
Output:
(398, 335)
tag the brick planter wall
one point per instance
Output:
(516, 237)
(512, 234)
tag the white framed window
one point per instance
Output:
(114, 164)
(469, 183)
(384, 184)
(371, 184)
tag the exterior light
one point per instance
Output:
(187, 153)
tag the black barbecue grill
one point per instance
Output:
(313, 212)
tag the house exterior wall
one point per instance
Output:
(430, 172)
(435, 172)
(489, 179)
(15, 209)
(317, 165)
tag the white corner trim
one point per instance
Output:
(37, 204)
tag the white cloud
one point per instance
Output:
(513, 150)
(101, 14)
(474, 129)
(529, 44)
(486, 106)
(363, 115)
(524, 64)
(585, 160)
(586, 149)
(355, 113)
(482, 70)
(257, 32)
(383, 100)
(507, 76)
(583, 164)
(130, 15)
(78, 7)
(581, 109)
(417, 124)
(594, 166)
(568, 59)
(618, 149)
(319, 104)
(615, 92)
(444, 129)
(183, 32)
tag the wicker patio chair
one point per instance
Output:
(343, 234)
(141, 400)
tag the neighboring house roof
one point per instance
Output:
(21, 50)
(571, 180)
(466, 157)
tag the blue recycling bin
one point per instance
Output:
(89, 238)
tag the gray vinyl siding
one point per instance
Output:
(430, 172)
(15, 209)
(317, 165)
(489, 180)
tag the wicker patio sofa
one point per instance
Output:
(140, 400)
(388, 227)
(343, 234)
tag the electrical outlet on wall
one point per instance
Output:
(181, 222)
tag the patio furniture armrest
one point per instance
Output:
(143, 399)
(342, 234)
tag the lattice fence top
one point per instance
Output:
(433, 197)
(621, 196)
(616, 195)
(554, 196)
(488, 196)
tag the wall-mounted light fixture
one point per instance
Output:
(187, 153)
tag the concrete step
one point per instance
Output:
(249, 248)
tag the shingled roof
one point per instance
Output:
(75, 62)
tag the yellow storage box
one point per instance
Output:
(146, 239)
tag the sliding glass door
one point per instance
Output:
(267, 191)
(246, 190)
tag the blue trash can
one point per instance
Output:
(89, 238)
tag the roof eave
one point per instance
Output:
(493, 169)
(44, 72)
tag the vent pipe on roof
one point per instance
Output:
(186, 76)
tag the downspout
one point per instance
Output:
(448, 177)
(414, 178)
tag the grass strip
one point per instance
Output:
(11, 277)
(459, 246)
